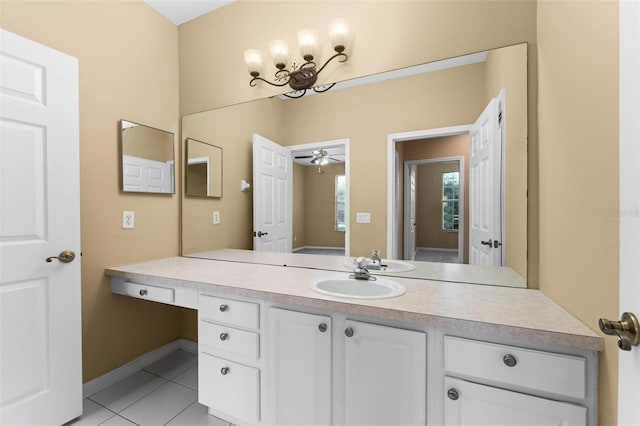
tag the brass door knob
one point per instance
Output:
(627, 330)
(66, 256)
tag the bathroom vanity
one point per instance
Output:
(272, 351)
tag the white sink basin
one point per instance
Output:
(391, 266)
(342, 286)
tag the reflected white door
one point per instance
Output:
(485, 209)
(40, 355)
(272, 196)
(144, 175)
(629, 362)
(410, 219)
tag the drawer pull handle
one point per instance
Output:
(224, 336)
(509, 360)
(224, 308)
(224, 371)
(453, 394)
(348, 332)
(143, 292)
(322, 327)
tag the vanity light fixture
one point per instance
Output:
(303, 77)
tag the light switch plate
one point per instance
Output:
(128, 219)
(363, 217)
(216, 218)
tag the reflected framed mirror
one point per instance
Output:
(147, 159)
(391, 120)
(203, 169)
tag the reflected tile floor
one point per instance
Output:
(163, 393)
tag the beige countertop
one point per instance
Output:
(508, 312)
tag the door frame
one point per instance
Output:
(629, 217)
(461, 216)
(331, 144)
(394, 206)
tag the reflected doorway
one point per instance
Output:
(321, 198)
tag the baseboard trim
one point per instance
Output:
(437, 249)
(316, 248)
(115, 375)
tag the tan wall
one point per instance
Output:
(320, 207)
(145, 142)
(429, 232)
(578, 111)
(503, 71)
(450, 146)
(125, 72)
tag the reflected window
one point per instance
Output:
(450, 200)
(341, 199)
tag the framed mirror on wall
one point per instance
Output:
(203, 169)
(147, 159)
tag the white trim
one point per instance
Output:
(461, 216)
(114, 376)
(437, 249)
(392, 249)
(347, 166)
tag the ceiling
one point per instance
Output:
(181, 11)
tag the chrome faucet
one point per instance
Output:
(361, 272)
(375, 256)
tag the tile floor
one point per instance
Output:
(164, 393)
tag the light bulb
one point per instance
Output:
(253, 59)
(339, 34)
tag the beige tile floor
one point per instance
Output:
(164, 393)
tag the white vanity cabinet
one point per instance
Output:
(385, 375)
(383, 370)
(493, 384)
(229, 372)
(299, 368)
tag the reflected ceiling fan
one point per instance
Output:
(318, 157)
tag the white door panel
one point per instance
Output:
(40, 355)
(485, 182)
(629, 362)
(272, 192)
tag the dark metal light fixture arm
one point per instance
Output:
(340, 54)
(253, 83)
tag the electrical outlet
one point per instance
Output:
(216, 218)
(128, 220)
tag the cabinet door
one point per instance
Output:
(385, 375)
(298, 368)
(469, 403)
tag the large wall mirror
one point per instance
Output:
(203, 169)
(420, 118)
(148, 161)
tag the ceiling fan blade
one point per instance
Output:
(335, 159)
(303, 156)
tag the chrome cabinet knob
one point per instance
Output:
(224, 336)
(510, 360)
(348, 332)
(322, 327)
(224, 371)
(143, 292)
(453, 394)
(224, 308)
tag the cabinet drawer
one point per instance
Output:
(229, 339)
(521, 368)
(229, 387)
(145, 291)
(467, 402)
(227, 311)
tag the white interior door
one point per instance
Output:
(272, 196)
(410, 219)
(40, 355)
(629, 362)
(485, 208)
(144, 175)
